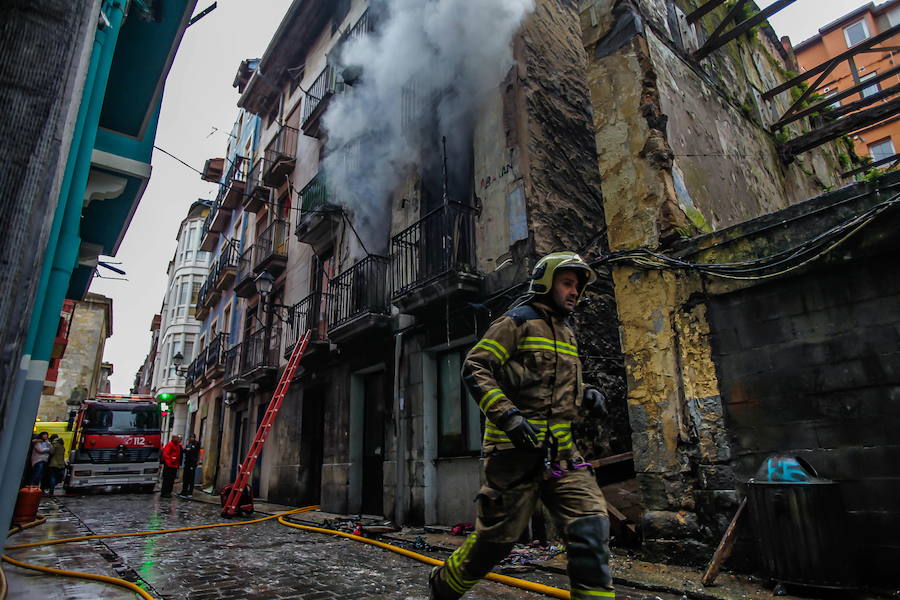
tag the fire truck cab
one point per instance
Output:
(117, 442)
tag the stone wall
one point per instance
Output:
(682, 150)
(79, 369)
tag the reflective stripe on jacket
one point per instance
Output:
(527, 359)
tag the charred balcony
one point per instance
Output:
(280, 156)
(434, 258)
(231, 376)
(326, 85)
(319, 212)
(235, 180)
(259, 354)
(360, 298)
(271, 248)
(310, 314)
(256, 192)
(244, 286)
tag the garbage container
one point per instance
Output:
(801, 525)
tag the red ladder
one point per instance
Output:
(265, 426)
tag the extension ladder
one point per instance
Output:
(265, 426)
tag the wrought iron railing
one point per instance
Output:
(361, 289)
(237, 172)
(215, 352)
(440, 242)
(325, 85)
(311, 313)
(244, 266)
(260, 350)
(283, 146)
(195, 370)
(232, 361)
(255, 177)
(272, 242)
(315, 194)
(228, 259)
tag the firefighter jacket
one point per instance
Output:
(527, 359)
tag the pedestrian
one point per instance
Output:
(191, 457)
(57, 462)
(525, 375)
(40, 454)
(171, 459)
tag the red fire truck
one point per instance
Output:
(117, 440)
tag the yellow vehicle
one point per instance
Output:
(60, 428)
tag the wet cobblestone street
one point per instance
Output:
(261, 561)
(254, 562)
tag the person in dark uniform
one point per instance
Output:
(191, 454)
(525, 375)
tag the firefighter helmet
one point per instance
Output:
(542, 274)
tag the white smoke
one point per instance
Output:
(426, 71)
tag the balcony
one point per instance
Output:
(281, 156)
(244, 286)
(259, 356)
(209, 233)
(193, 379)
(319, 212)
(360, 298)
(310, 314)
(435, 258)
(235, 180)
(224, 271)
(255, 191)
(326, 85)
(231, 377)
(271, 248)
(207, 297)
(214, 357)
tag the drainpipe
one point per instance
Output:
(60, 259)
(400, 408)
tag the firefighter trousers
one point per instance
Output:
(513, 483)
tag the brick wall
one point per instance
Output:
(810, 366)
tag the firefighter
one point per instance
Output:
(525, 375)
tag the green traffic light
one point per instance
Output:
(165, 396)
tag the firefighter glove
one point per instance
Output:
(521, 433)
(595, 403)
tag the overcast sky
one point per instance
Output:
(198, 100)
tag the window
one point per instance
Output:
(836, 103)
(881, 149)
(459, 420)
(872, 89)
(856, 33)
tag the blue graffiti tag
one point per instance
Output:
(782, 469)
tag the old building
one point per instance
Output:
(759, 341)
(874, 71)
(178, 328)
(78, 372)
(143, 378)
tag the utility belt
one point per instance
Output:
(548, 451)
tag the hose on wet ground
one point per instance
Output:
(522, 584)
(114, 580)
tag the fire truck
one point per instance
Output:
(117, 442)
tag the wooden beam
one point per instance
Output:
(723, 551)
(840, 57)
(894, 159)
(711, 45)
(790, 118)
(836, 129)
(703, 10)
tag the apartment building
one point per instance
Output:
(867, 23)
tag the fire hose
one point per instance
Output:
(282, 519)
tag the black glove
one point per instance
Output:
(521, 433)
(595, 403)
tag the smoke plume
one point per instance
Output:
(423, 75)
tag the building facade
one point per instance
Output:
(178, 327)
(79, 372)
(881, 140)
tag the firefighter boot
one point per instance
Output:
(588, 552)
(465, 567)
